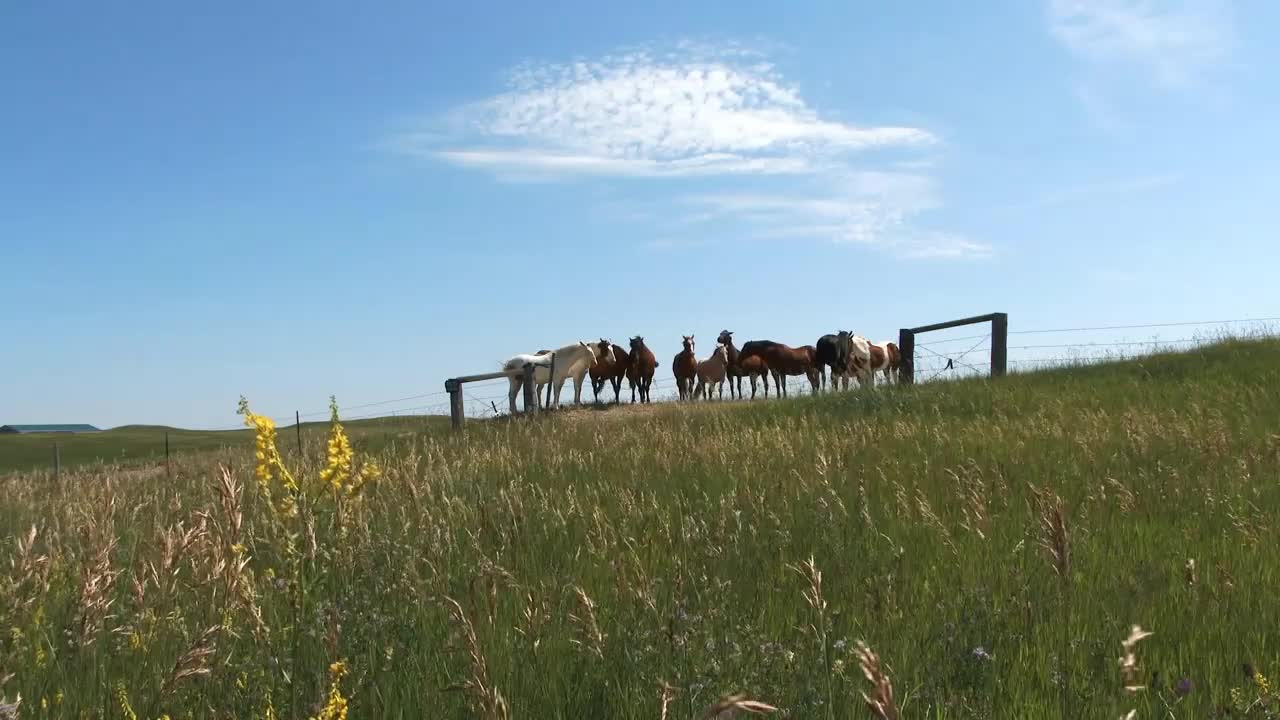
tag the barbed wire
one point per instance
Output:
(663, 388)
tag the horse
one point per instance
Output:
(739, 368)
(783, 361)
(860, 360)
(641, 369)
(685, 368)
(885, 358)
(835, 352)
(571, 361)
(712, 372)
(605, 371)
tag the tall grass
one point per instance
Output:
(960, 550)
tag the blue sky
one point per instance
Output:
(307, 198)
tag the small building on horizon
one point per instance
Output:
(33, 429)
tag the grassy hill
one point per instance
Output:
(145, 443)
(992, 542)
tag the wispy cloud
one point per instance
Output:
(693, 111)
(870, 208)
(722, 117)
(1175, 41)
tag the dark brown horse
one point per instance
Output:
(611, 372)
(685, 368)
(641, 369)
(783, 361)
(751, 367)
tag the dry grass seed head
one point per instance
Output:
(1129, 660)
(733, 705)
(880, 702)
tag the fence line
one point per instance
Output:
(479, 398)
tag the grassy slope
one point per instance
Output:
(686, 528)
(146, 442)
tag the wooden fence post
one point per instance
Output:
(907, 352)
(168, 469)
(552, 384)
(57, 461)
(530, 401)
(456, 413)
(297, 424)
(999, 344)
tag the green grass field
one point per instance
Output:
(145, 443)
(992, 542)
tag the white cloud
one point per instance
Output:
(871, 208)
(691, 112)
(1176, 41)
(720, 117)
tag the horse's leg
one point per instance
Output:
(511, 393)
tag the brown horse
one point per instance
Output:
(685, 368)
(739, 368)
(783, 361)
(612, 372)
(641, 369)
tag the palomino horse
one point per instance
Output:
(685, 368)
(835, 352)
(739, 368)
(571, 361)
(783, 361)
(640, 371)
(605, 371)
(711, 372)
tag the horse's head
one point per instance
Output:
(722, 351)
(637, 342)
(687, 342)
(725, 338)
(606, 352)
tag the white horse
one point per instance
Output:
(571, 361)
(712, 371)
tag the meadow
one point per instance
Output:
(992, 543)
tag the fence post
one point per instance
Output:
(456, 411)
(999, 344)
(297, 425)
(552, 381)
(57, 461)
(168, 469)
(530, 401)
(907, 352)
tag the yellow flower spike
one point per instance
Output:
(335, 707)
(269, 465)
(339, 454)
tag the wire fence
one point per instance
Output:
(943, 357)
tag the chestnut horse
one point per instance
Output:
(605, 371)
(685, 368)
(739, 367)
(783, 360)
(711, 372)
(885, 358)
(640, 371)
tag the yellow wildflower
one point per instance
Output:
(125, 708)
(335, 708)
(269, 464)
(339, 454)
